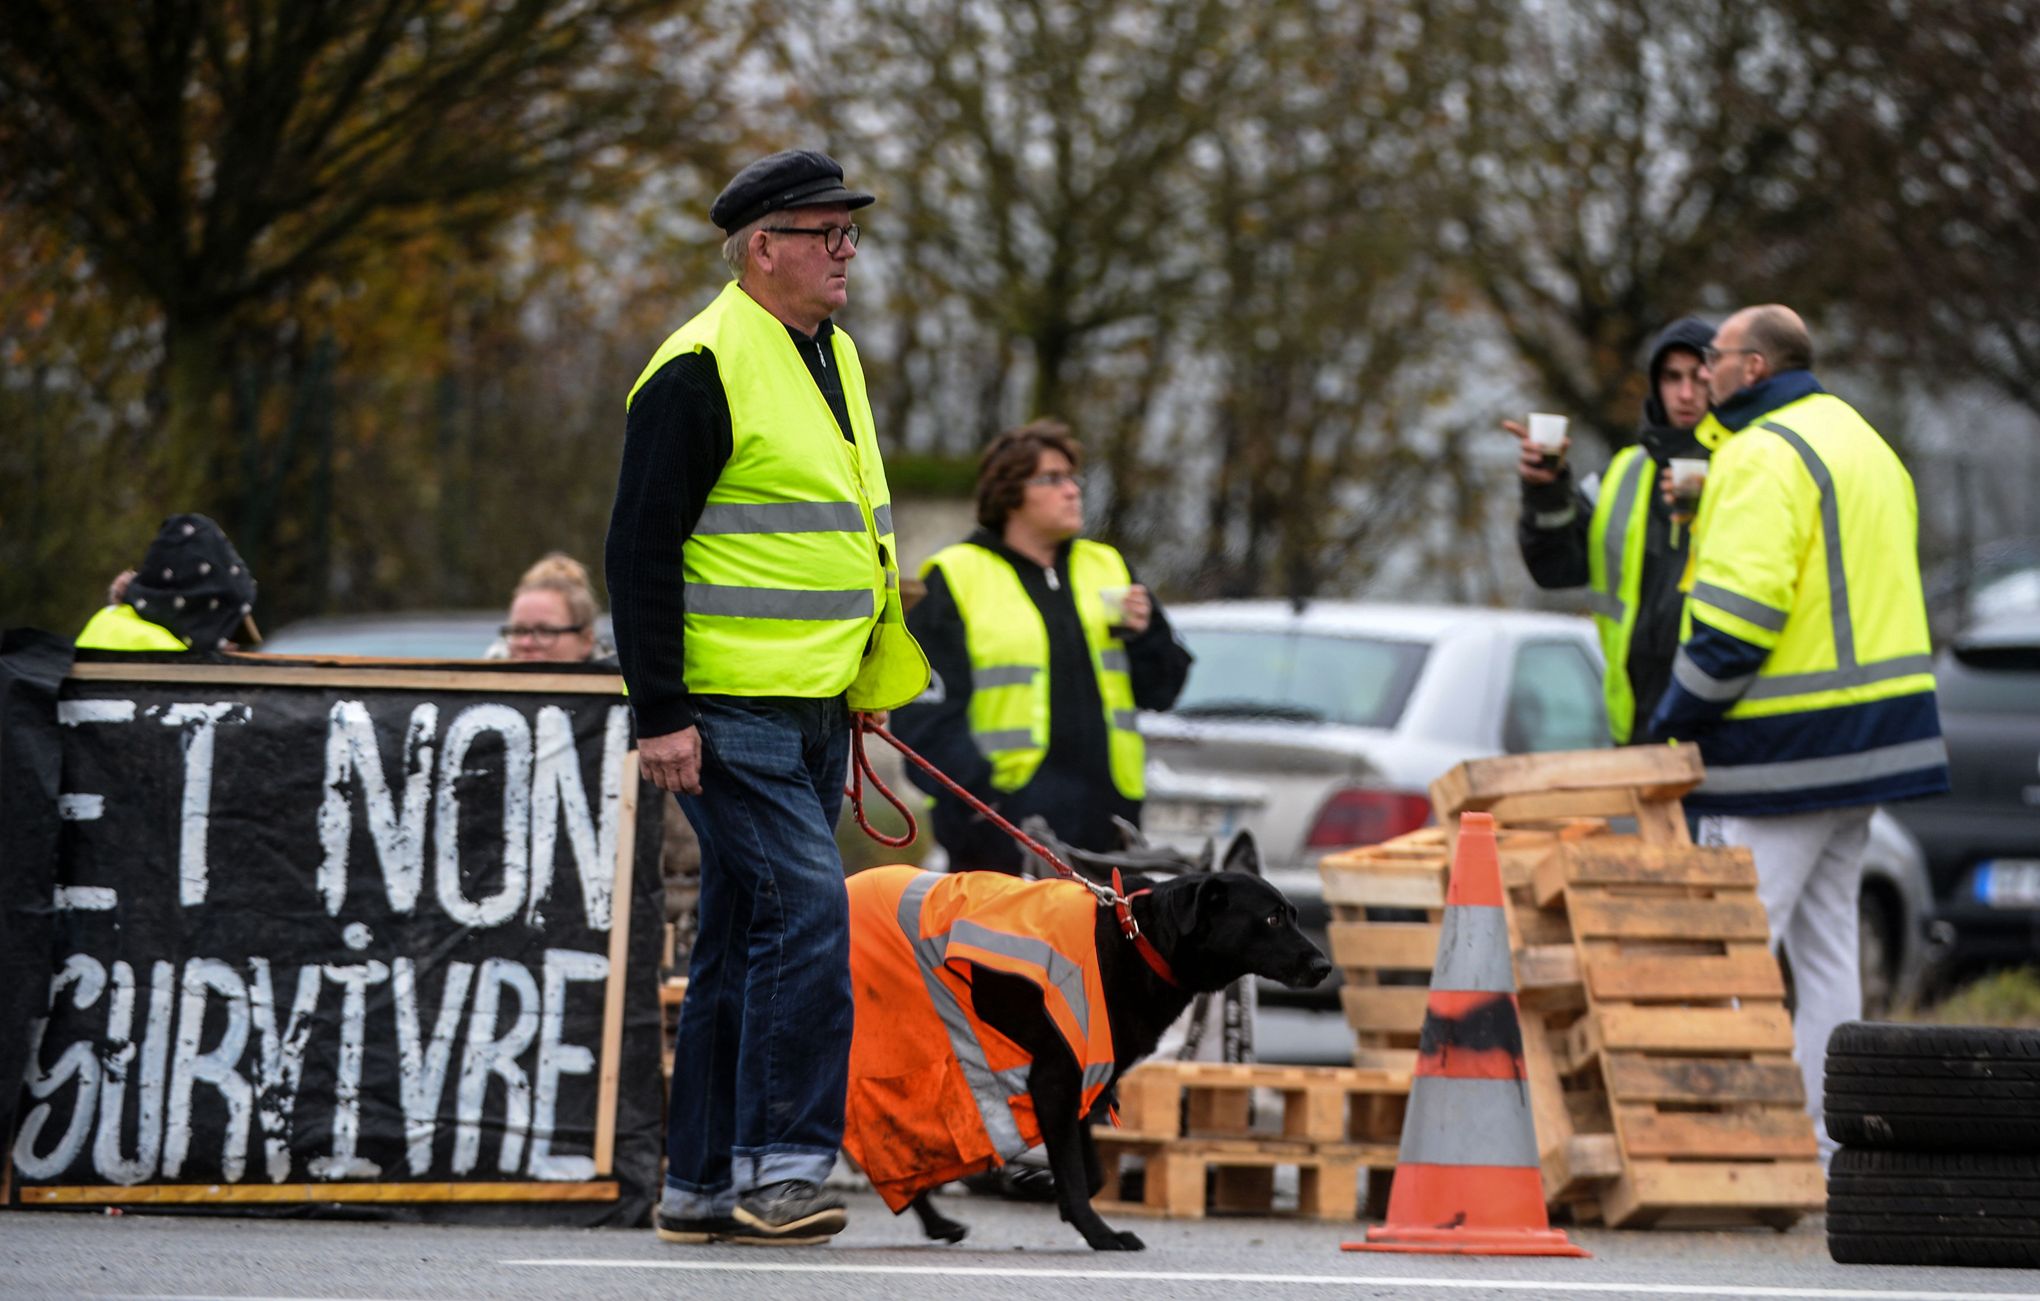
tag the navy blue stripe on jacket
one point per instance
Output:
(1832, 757)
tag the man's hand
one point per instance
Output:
(1138, 611)
(876, 717)
(672, 761)
(1530, 463)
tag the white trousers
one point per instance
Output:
(1809, 873)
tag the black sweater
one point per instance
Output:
(1073, 787)
(676, 442)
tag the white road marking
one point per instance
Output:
(1564, 1287)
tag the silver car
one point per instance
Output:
(1320, 727)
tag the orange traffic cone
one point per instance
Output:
(1467, 1181)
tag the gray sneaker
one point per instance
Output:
(695, 1229)
(791, 1213)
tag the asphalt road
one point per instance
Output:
(1014, 1252)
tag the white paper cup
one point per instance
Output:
(1114, 601)
(1688, 474)
(1547, 432)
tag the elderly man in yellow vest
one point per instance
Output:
(1044, 646)
(754, 594)
(1804, 674)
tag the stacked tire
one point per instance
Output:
(1940, 1135)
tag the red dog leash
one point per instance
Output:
(861, 770)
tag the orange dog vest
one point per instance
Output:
(935, 1093)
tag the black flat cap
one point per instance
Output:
(791, 178)
(194, 583)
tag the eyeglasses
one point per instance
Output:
(1711, 354)
(542, 633)
(832, 236)
(1055, 479)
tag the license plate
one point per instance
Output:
(2009, 883)
(1173, 818)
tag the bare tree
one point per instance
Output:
(1621, 163)
(211, 156)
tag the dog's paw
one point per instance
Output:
(949, 1231)
(1118, 1240)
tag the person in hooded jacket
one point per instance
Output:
(192, 592)
(1618, 534)
(1043, 645)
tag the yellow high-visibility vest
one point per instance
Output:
(1615, 542)
(1830, 583)
(119, 628)
(792, 588)
(1009, 661)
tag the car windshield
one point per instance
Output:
(1299, 677)
(1990, 680)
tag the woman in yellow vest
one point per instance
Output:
(192, 591)
(1043, 648)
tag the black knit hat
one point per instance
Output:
(194, 583)
(791, 178)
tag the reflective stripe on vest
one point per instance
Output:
(788, 575)
(1615, 567)
(1007, 640)
(991, 1089)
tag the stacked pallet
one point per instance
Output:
(1192, 1126)
(1654, 1027)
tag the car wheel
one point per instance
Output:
(1931, 1208)
(1933, 1088)
(1877, 953)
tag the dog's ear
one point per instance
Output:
(1203, 898)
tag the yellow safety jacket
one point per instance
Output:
(1009, 661)
(935, 1092)
(119, 628)
(1805, 668)
(791, 584)
(1615, 542)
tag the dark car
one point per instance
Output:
(1982, 840)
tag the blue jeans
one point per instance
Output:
(763, 1056)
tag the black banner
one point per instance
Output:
(321, 933)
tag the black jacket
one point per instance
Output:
(1073, 787)
(1553, 535)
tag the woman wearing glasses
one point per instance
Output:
(552, 614)
(1044, 645)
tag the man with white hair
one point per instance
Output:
(1804, 673)
(755, 598)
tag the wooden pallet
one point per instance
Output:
(1655, 1032)
(1186, 1178)
(1678, 1047)
(1319, 1104)
(1384, 966)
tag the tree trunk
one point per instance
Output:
(187, 464)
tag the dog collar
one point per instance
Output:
(1123, 906)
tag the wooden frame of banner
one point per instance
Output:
(353, 671)
(610, 1064)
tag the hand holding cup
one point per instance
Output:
(1128, 610)
(1544, 445)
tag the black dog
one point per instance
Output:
(1212, 929)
